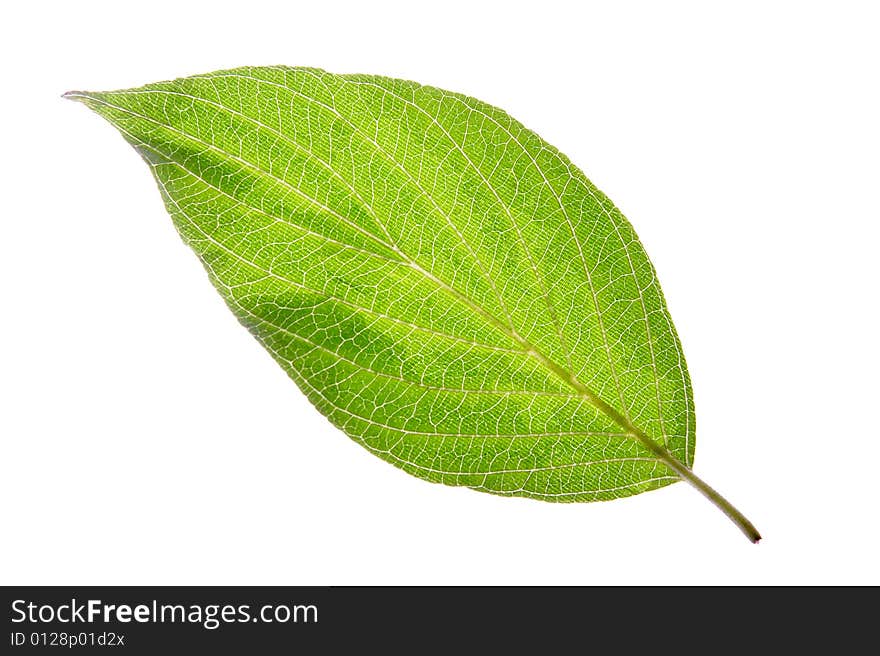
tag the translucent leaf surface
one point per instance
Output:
(446, 287)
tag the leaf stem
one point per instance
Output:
(683, 471)
(742, 523)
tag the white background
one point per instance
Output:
(146, 438)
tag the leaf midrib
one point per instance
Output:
(568, 377)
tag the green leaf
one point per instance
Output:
(446, 287)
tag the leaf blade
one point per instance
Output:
(440, 274)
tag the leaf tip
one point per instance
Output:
(74, 95)
(81, 96)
